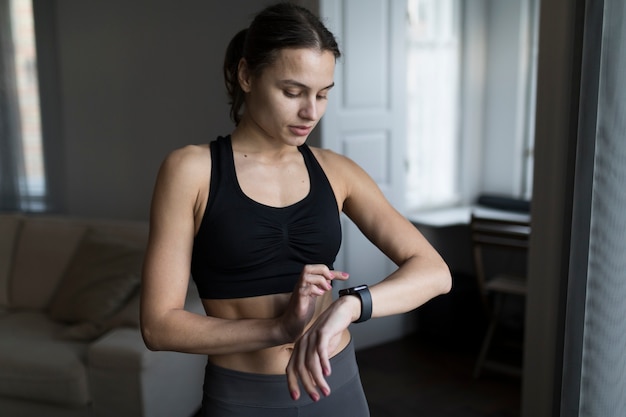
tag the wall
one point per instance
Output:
(503, 115)
(136, 80)
(497, 60)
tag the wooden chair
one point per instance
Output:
(502, 235)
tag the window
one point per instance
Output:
(470, 100)
(22, 176)
(433, 99)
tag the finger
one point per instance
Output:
(333, 275)
(323, 270)
(315, 373)
(296, 370)
(292, 380)
(324, 364)
(316, 269)
(324, 359)
(308, 383)
(341, 275)
(309, 289)
(317, 280)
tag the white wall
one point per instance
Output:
(495, 74)
(502, 102)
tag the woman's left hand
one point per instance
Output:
(310, 360)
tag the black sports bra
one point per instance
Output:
(244, 248)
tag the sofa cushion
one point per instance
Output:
(36, 366)
(9, 229)
(44, 248)
(101, 277)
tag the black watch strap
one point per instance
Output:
(363, 292)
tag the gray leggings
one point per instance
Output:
(229, 393)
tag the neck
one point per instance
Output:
(249, 140)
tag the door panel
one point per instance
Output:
(365, 121)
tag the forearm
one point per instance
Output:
(417, 281)
(183, 331)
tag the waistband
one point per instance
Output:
(252, 389)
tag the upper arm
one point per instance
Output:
(181, 185)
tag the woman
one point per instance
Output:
(255, 217)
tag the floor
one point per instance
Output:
(418, 377)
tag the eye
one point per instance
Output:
(290, 94)
(323, 94)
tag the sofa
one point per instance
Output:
(70, 343)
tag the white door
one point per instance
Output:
(365, 121)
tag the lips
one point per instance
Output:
(300, 130)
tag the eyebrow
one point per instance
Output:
(300, 85)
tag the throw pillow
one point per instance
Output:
(103, 274)
(127, 316)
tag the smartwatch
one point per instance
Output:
(363, 292)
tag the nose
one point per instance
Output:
(308, 109)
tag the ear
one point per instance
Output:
(244, 76)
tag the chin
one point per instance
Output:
(300, 141)
(295, 140)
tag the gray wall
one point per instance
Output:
(137, 80)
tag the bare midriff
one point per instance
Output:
(271, 360)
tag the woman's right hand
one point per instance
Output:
(315, 281)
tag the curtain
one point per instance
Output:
(11, 160)
(603, 362)
(594, 363)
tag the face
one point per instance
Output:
(288, 99)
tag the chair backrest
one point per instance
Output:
(496, 233)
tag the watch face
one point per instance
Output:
(353, 290)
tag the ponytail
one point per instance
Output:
(234, 53)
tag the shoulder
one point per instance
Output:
(188, 155)
(185, 170)
(336, 163)
(345, 175)
(187, 161)
(182, 183)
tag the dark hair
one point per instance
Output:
(283, 25)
